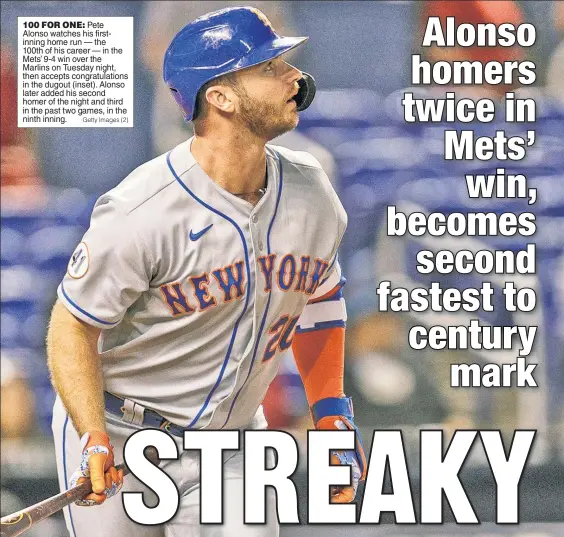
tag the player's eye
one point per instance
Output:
(269, 66)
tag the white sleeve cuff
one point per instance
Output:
(322, 315)
(80, 313)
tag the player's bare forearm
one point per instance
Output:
(76, 370)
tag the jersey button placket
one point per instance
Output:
(254, 220)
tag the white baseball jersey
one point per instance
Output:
(198, 292)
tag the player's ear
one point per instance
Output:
(222, 97)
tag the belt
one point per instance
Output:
(131, 412)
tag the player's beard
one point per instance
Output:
(265, 120)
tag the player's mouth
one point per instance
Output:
(292, 99)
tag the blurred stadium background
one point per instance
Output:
(359, 53)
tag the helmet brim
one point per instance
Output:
(268, 51)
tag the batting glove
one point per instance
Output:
(97, 464)
(334, 413)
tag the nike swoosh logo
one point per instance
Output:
(196, 236)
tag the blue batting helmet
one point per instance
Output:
(222, 42)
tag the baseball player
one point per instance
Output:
(197, 272)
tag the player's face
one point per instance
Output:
(265, 105)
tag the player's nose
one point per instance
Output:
(293, 74)
(292, 77)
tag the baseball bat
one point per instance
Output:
(16, 523)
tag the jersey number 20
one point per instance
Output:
(282, 334)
